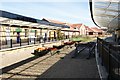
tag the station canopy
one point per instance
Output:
(106, 13)
(11, 19)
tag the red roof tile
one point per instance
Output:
(76, 25)
(95, 29)
(88, 29)
(54, 21)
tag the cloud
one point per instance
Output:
(63, 13)
(71, 12)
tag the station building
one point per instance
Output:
(67, 32)
(16, 27)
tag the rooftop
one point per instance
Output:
(95, 29)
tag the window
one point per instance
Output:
(74, 28)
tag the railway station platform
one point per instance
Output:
(79, 67)
(57, 66)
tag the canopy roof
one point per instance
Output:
(106, 13)
(18, 20)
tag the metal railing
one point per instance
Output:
(110, 56)
(22, 42)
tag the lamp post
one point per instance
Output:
(0, 38)
(86, 31)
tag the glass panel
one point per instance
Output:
(106, 13)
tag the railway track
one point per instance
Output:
(36, 67)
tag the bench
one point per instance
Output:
(77, 51)
(91, 46)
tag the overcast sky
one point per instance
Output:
(71, 11)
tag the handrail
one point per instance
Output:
(110, 57)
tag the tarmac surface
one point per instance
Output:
(78, 67)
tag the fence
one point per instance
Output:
(22, 42)
(110, 56)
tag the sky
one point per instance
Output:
(70, 11)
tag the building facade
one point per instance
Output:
(20, 28)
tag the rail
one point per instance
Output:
(110, 56)
(23, 42)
